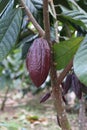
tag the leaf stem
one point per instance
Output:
(32, 19)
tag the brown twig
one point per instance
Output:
(32, 19)
(54, 81)
(46, 20)
(64, 72)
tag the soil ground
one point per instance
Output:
(28, 114)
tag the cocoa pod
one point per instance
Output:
(67, 84)
(45, 97)
(38, 61)
(76, 86)
(64, 99)
(84, 88)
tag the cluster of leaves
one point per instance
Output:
(74, 19)
(16, 35)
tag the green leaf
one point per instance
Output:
(3, 3)
(9, 30)
(77, 16)
(26, 43)
(70, 19)
(80, 62)
(64, 51)
(8, 8)
(65, 3)
(36, 7)
(83, 4)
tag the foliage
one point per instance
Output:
(65, 50)
(80, 65)
(9, 30)
(76, 17)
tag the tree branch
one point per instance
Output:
(54, 81)
(64, 72)
(46, 20)
(32, 19)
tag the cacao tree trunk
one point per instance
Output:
(56, 90)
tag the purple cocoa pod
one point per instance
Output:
(67, 84)
(45, 97)
(38, 61)
(84, 88)
(76, 86)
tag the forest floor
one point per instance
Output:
(28, 114)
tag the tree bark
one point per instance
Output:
(56, 90)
